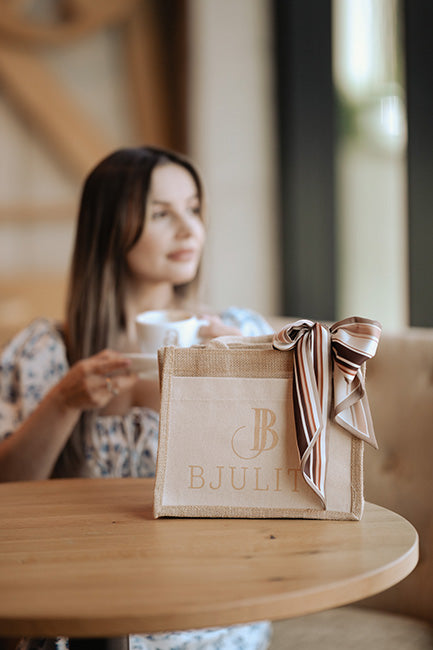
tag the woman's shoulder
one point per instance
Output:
(41, 336)
(30, 363)
(250, 322)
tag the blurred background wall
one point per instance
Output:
(310, 120)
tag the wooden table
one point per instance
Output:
(85, 558)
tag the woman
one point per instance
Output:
(69, 404)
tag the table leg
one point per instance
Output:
(116, 643)
(8, 644)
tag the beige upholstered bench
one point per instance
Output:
(400, 477)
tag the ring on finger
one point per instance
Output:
(110, 386)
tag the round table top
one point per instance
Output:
(84, 557)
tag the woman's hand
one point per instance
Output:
(31, 453)
(93, 382)
(216, 327)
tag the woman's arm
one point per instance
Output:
(216, 327)
(32, 450)
(236, 321)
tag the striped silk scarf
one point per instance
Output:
(323, 355)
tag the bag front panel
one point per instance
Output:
(228, 443)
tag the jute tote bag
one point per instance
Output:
(266, 426)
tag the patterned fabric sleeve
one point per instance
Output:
(248, 321)
(30, 364)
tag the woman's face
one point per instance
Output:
(170, 247)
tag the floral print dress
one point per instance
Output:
(114, 446)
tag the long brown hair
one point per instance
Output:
(111, 219)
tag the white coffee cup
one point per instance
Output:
(159, 328)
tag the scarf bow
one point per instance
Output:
(323, 355)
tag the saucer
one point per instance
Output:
(145, 365)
